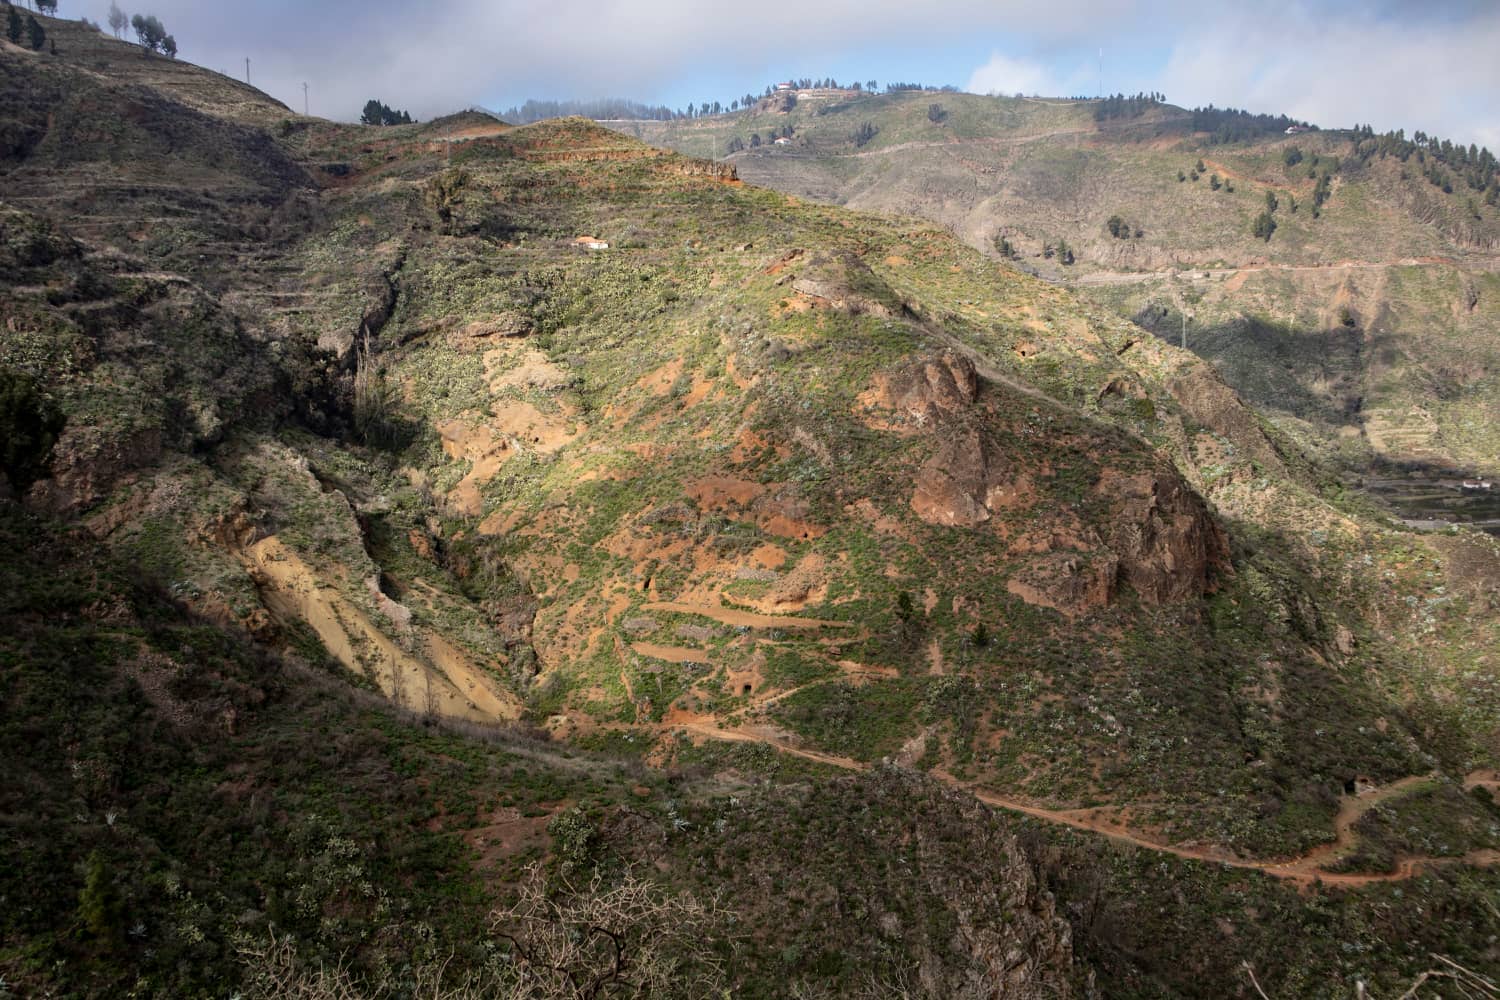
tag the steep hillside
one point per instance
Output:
(467, 429)
(1367, 323)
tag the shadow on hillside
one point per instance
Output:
(1313, 375)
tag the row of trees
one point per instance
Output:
(1214, 182)
(1320, 169)
(617, 108)
(1445, 164)
(378, 113)
(149, 30)
(1226, 125)
(621, 108)
(153, 36)
(1120, 106)
(31, 29)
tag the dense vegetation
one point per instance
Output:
(1120, 106)
(377, 113)
(1232, 125)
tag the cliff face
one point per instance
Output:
(1169, 545)
(1145, 526)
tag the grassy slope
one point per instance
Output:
(1039, 171)
(684, 352)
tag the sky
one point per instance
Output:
(1432, 65)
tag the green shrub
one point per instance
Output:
(29, 426)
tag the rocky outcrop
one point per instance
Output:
(1213, 404)
(1153, 533)
(779, 103)
(923, 392)
(1168, 544)
(87, 463)
(966, 482)
(846, 283)
(1067, 581)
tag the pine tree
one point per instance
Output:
(13, 24)
(1263, 226)
(99, 905)
(34, 33)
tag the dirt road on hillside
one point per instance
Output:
(1199, 273)
(1304, 870)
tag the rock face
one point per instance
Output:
(1068, 581)
(1168, 544)
(87, 462)
(963, 483)
(1216, 406)
(946, 383)
(1149, 530)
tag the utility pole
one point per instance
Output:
(304, 98)
(247, 69)
(1100, 91)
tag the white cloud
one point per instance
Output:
(433, 58)
(1006, 75)
(1428, 66)
(1439, 76)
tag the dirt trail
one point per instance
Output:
(734, 616)
(672, 654)
(1305, 869)
(1188, 274)
(950, 143)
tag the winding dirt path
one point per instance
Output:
(1188, 274)
(1305, 870)
(734, 616)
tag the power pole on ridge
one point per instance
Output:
(247, 69)
(304, 98)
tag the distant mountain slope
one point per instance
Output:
(1372, 329)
